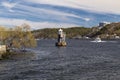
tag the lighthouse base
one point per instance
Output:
(61, 44)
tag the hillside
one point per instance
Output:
(70, 32)
(109, 31)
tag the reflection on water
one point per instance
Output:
(80, 60)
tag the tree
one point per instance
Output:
(3, 34)
(27, 38)
(20, 37)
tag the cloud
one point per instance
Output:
(50, 12)
(54, 13)
(38, 17)
(8, 5)
(34, 25)
(106, 6)
(87, 19)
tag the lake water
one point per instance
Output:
(80, 60)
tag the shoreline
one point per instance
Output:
(7, 55)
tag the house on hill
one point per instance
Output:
(102, 24)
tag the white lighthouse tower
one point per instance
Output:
(61, 38)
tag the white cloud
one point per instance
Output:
(106, 6)
(8, 5)
(87, 19)
(50, 12)
(38, 12)
(34, 25)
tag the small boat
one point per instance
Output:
(98, 39)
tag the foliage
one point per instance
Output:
(108, 31)
(3, 34)
(52, 32)
(18, 37)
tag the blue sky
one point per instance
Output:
(58, 13)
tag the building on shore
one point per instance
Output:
(61, 38)
(2, 49)
(102, 24)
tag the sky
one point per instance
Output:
(58, 13)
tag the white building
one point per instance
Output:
(2, 47)
(102, 24)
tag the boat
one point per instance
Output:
(98, 39)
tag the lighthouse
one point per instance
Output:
(61, 38)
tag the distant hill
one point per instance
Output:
(70, 32)
(108, 31)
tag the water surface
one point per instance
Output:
(80, 60)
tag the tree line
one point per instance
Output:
(108, 31)
(70, 32)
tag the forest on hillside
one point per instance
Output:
(70, 32)
(108, 31)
